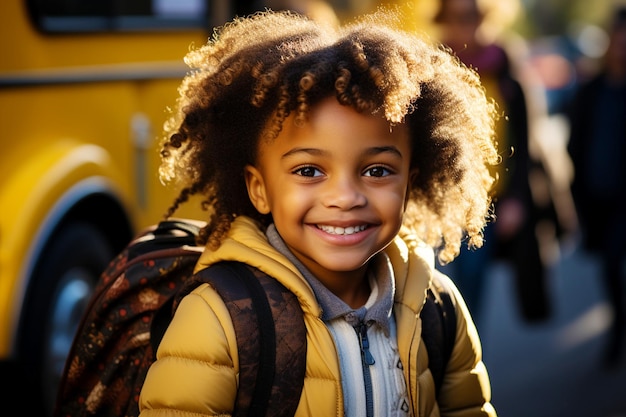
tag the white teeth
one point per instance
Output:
(342, 230)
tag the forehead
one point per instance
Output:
(329, 124)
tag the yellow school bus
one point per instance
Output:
(83, 90)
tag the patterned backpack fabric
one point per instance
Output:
(133, 304)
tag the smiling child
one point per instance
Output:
(341, 164)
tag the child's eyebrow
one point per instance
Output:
(376, 150)
(384, 149)
(310, 151)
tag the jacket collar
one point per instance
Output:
(413, 263)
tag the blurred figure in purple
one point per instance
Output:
(597, 146)
(512, 237)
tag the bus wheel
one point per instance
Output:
(59, 294)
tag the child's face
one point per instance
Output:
(336, 187)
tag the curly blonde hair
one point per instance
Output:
(256, 71)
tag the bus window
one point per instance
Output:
(118, 15)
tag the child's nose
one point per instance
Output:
(343, 193)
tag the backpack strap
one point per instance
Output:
(438, 328)
(271, 337)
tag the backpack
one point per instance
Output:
(134, 301)
(132, 305)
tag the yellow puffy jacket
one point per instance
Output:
(197, 364)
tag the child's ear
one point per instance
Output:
(413, 174)
(412, 178)
(256, 189)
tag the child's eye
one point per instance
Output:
(308, 171)
(377, 171)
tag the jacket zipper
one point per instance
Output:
(366, 361)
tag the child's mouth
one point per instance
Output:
(336, 230)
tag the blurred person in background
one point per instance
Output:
(512, 237)
(597, 146)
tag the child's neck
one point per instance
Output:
(352, 288)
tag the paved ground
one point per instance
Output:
(552, 369)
